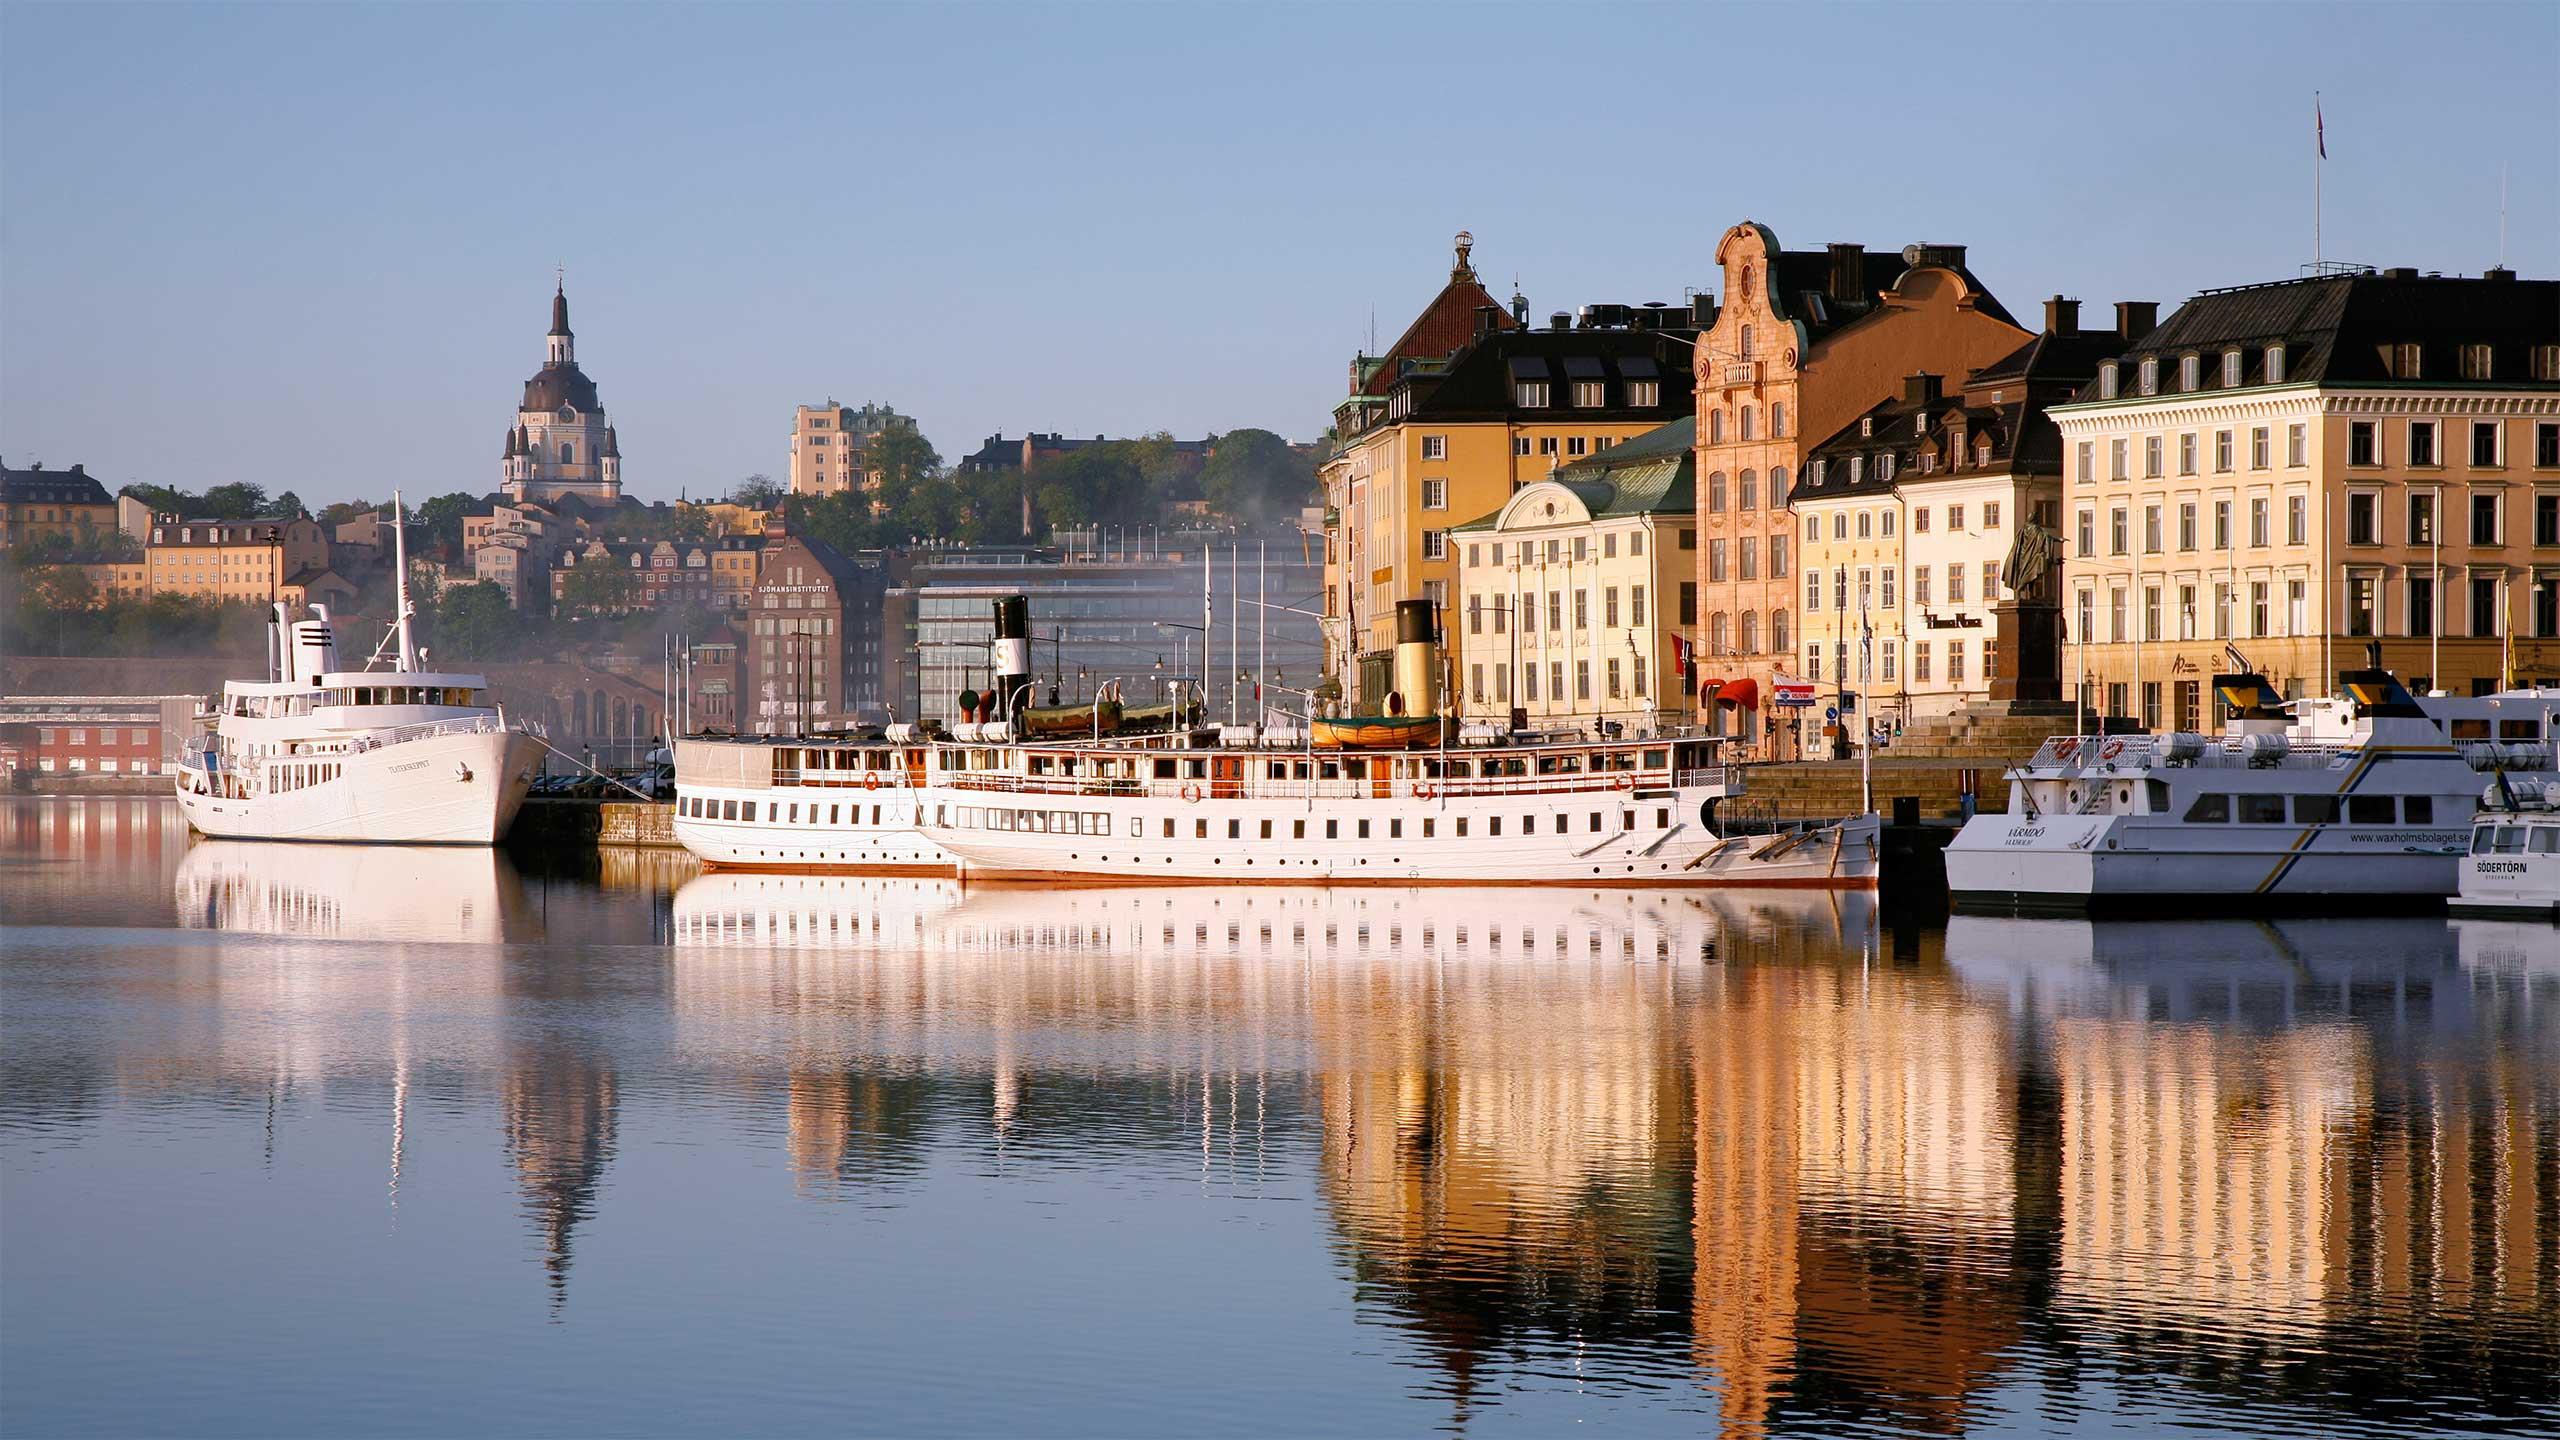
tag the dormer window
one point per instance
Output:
(2275, 364)
(1884, 467)
(2151, 377)
(2476, 362)
(2402, 361)
(1982, 452)
(2190, 372)
(2107, 381)
(2230, 369)
(1866, 426)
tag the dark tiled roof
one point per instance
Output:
(2004, 403)
(1444, 325)
(52, 487)
(2334, 329)
(1801, 284)
(563, 384)
(1477, 384)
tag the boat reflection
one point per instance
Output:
(445, 893)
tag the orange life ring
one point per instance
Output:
(870, 779)
(2111, 750)
(1191, 794)
(1422, 791)
(2065, 748)
(1626, 782)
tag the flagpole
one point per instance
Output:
(2319, 154)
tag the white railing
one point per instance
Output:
(1332, 788)
(199, 751)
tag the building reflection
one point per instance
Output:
(557, 1096)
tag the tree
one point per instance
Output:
(346, 510)
(1255, 475)
(596, 587)
(757, 492)
(239, 500)
(439, 522)
(291, 507)
(692, 525)
(474, 622)
(161, 498)
(903, 463)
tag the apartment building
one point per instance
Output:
(229, 561)
(831, 443)
(1569, 596)
(35, 503)
(1804, 342)
(1469, 405)
(2295, 469)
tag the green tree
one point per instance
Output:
(290, 505)
(904, 464)
(595, 588)
(438, 523)
(757, 492)
(1254, 475)
(162, 498)
(692, 525)
(474, 622)
(239, 500)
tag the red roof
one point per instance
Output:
(1444, 326)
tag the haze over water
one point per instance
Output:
(299, 1139)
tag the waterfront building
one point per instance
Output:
(91, 734)
(1913, 509)
(831, 443)
(1569, 595)
(229, 561)
(561, 443)
(1093, 621)
(36, 503)
(813, 634)
(117, 579)
(1466, 407)
(1804, 342)
(2298, 468)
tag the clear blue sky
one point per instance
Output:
(311, 245)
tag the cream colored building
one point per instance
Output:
(2295, 469)
(830, 448)
(1560, 611)
(230, 561)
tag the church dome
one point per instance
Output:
(561, 384)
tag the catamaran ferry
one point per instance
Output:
(2364, 800)
(320, 752)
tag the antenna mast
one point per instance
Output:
(400, 562)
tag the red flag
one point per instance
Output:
(1680, 653)
(2319, 128)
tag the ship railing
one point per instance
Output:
(2220, 751)
(1339, 788)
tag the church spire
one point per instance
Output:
(564, 346)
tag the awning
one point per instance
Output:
(1744, 691)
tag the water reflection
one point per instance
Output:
(1764, 1160)
(450, 893)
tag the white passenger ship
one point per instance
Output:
(2323, 803)
(317, 752)
(2513, 869)
(843, 805)
(1222, 807)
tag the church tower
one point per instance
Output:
(561, 443)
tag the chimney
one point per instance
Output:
(2401, 272)
(2137, 318)
(1560, 320)
(1519, 307)
(2499, 273)
(1920, 389)
(1702, 310)
(2061, 317)
(81, 470)
(1848, 273)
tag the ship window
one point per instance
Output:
(1595, 822)
(1364, 829)
(2527, 729)
(1656, 759)
(2546, 839)
(1297, 829)
(1137, 828)
(2369, 810)
(2418, 809)
(1168, 829)
(1266, 829)
(1333, 829)
(1662, 819)
(1235, 829)
(1495, 827)
(875, 814)
(2510, 840)
(1626, 819)
(2315, 809)
(2261, 809)
(2209, 810)
(1427, 827)
(1199, 829)
(728, 809)
(1164, 769)
(1462, 827)
(1529, 824)
(1097, 822)
(2470, 728)
(1395, 829)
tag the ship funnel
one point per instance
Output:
(1417, 657)
(1012, 659)
(279, 658)
(314, 650)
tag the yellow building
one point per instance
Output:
(38, 503)
(830, 447)
(2294, 469)
(1469, 405)
(736, 519)
(1567, 602)
(230, 561)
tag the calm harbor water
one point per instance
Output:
(306, 1139)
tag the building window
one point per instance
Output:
(1920, 585)
(2476, 363)
(1748, 426)
(1920, 520)
(2297, 520)
(1777, 419)
(2150, 376)
(1715, 492)
(1747, 560)
(2422, 442)
(1920, 661)
(2363, 523)
(1715, 427)
(2297, 445)
(1778, 557)
(2422, 605)
(2151, 529)
(2485, 449)
(2222, 452)
(1530, 394)
(2484, 520)
(2085, 462)
(2485, 619)
(1715, 561)
(1955, 584)
(2221, 524)
(2362, 447)
(1780, 633)
(2230, 369)
(2187, 454)
(2258, 448)
(1435, 494)
(2187, 526)
(1750, 632)
(2151, 457)
(2546, 519)
(1435, 544)
(2403, 361)
(1644, 394)
(1435, 447)
(1590, 394)
(2422, 517)
(1746, 490)
(2088, 532)
(1577, 445)
(2118, 542)
(2116, 451)
(2107, 381)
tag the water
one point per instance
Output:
(305, 1139)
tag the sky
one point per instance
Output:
(312, 246)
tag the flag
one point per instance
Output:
(2319, 128)
(1680, 656)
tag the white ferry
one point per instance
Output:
(2365, 801)
(319, 752)
(812, 805)
(1426, 803)
(2513, 869)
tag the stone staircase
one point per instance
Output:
(1978, 737)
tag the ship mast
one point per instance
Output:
(400, 565)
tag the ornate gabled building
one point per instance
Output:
(561, 443)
